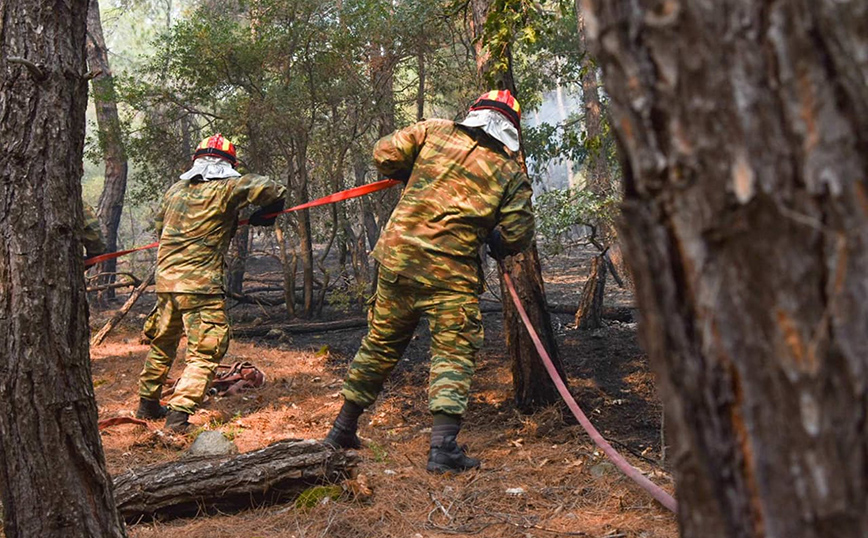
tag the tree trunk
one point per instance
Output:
(420, 91)
(52, 470)
(597, 169)
(303, 228)
(589, 316)
(744, 130)
(289, 264)
(276, 473)
(532, 385)
(111, 201)
(238, 250)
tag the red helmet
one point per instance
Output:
(501, 101)
(217, 146)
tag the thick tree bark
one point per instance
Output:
(111, 201)
(532, 386)
(276, 473)
(744, 129)
(52, 470)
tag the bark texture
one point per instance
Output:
(52, 470)
(744, 130)
(532, 386)
(272, 474)
(111, 201)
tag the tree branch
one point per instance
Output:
(35, 70)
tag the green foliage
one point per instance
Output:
(568, 216)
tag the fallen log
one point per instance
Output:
(276, 473)
(623, 314)
(274, 331)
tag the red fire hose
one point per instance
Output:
(661, 496)
(354, 192)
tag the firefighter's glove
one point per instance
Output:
(496, 248)
(258, 216)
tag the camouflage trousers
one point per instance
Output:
(203, 319)
(456, 337)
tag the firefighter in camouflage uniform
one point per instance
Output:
(91, 233)
(196, 222)
(464, 185)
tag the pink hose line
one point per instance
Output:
(661, 496)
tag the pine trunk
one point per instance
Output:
(111, 202)
(744, 130)
(532, 386)
(52, 470)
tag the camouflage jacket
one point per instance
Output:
(91, 233)
(461, 184)
(195, 224)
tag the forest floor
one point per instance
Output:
(567, 487)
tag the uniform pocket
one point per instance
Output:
(213, 333)
(152, 323)
(472, 328)
(369, 307)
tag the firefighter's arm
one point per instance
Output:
(515, 226)
(261, 191)
(395, 154)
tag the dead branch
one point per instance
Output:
(119, 315)
(35, 70)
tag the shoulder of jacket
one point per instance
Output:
(437, 123)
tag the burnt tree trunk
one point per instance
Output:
(111, 201)
(276, 473)
(531, 384)
(590, 313)
(744, 130)
(52, 469)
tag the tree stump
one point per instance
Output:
(276, 473)
(590, 313)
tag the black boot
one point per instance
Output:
(177, 421)
(150, 409)
(343, 433)
(340, 438)
(449, 457)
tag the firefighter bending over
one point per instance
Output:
(463, 185)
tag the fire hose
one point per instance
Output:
(354, 192)
(631, 472)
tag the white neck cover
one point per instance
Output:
(210, 168)
(494, 124)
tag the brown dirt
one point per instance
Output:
(568, 487)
